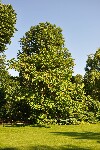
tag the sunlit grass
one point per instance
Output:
(70, 137)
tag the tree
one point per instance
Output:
(45, 80)
(45, 67)
(92, 83)
(7, 25)
(92, 76)
(7, 29)
(4, 78)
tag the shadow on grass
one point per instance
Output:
(43, 147)
(66, 147)
(39, 126)
(77, 135)
(8, 148)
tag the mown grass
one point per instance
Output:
(66, 137)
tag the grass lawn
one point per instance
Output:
(65, 137)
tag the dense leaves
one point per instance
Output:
(4, 78)
(7, 25)
(92, 76)
(92, 83)
(45, 67)
(45, 90)
(7, 28)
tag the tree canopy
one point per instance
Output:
(92, 76)
(7, 25)
(45, 67)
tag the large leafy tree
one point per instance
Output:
(46, 84)
(7, 25)
(45, 67)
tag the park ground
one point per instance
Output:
(55, 137)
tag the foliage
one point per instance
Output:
(45, 79)
(79, 107)
(92, 82)
(7, 25)
(4, 77)
(3, 70)
(15, 108)
(78, 79)
(92, 75)
(45, 67)
(45, 91)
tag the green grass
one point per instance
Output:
(66, 137)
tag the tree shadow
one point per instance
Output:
(8, 148)
(40, 126)
(45, 147)
(65, 147)
(83, 135)
(36, 125)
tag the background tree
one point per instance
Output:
(7, 28)
(92, 83)
(92, 76)
(4, 78)
(7, 25)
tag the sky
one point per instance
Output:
(79, 20)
